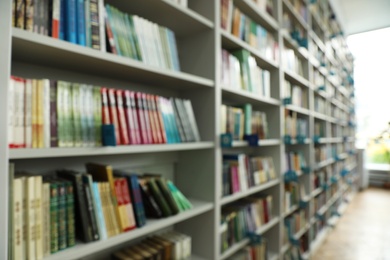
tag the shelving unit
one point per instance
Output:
(196, 168)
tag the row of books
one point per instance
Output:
(243, 121)
(237, 221)
(256, 250)
(240, 71)
(295, 161)
(241, 172)
(320, 105)
(319, 129)
(294, 31)
(294, 192)
(321, 153)
(165, 246)
(292, 62)
(295, 126)
(246, 29)
(49, 113)
(320, 178)
(77, 21)
(301, 8)
(296, 222)
(58, 208)
(295, 94)
(137, 38)
(319, 201)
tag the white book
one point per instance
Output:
(267, 83)
(19, 113)
(230, 17)
(11, 112)
(30, 218)
(223, 119)
(46, 219)
(141, 38)
(46, 112)
(160, 52)
(102, 24)
(17, 227)
(242, 172)
(28, 113)
(192, 120)
(161, 33)
(38, 217)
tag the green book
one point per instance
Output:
(162, 203)
(162, 185)
(68, 128)
(76, 114)
(184, 202)
(53, 217)
(97, 116)
(243, 55)
(112, 23)
(60, 113)
(62, 234)
(134, 38)
(70, 215)
(248, 119)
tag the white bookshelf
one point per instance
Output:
(195, 168)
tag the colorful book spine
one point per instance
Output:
(62, 23)
(97, 115)
(53, 114)
(55, 18)
(99, 210)
(113, 114)
(70, 215)
(137, 200)
(80, 22)
(71, 21)
(54, 220)
(95, 27)
(62, 230)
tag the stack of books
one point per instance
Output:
(241, 172)
(243, 121)
(168, 245)
(291, 62)
(49, 113)
(237, 221)
(94, 205)
(295, 161)
(295, 94)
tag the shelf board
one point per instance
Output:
(298, 109)
(295, 142)
(301, 51)
(295, 78)
(316, 192)
(342, 156)
(324, 164)
(46, 51)
(291, 210)
(301, 232)
(229, 41)
(186, 22)
(30, 153)
(250, 191)
(247, 97)
(317, 41)
(266, 142)
(296, 15)
(285, 248)
(320, 116)
(82, 250)
(239, 245)
(249, 8)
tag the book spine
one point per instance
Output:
(55, 18)
(123, 131)
(155, 117)
(84, 114)
(137, 200)
(53, 217)
(62, 231)
(160, 119)
(17, 227)
(147, 119)
(46, 218)
(53, 114)
(29, 15)
(46, 113)
(40, 113)
(99, 211)
(80, 22)
(28, 113)
(95, 26)
(90, 210)
(69, 129)
(71, 21)
(137, 126)
(129, 117)
(141, 118)
(18, 113)
(76, 114)
(87, 19)
(124, 218)
(20, 13)
(70, 216)
(109, 30)
(60, 114)
(62, 17)
(128, 202)
(113, 114)
(152, 120)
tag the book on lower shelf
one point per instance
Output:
(88, 206)
(256, 250)
(50, 113)
(168, 245)
(295, 126)
(242, 172)
(243, 218)
(295, 95)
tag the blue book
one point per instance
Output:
(99, 209)
(136, 197)
(62, 20)
(80, 10)
(70, 21)
(173, 48)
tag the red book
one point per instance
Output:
(153, 107)
(124, 134)
(127, 200)
(151, 119)
(113, 114)
(160, 119)
(130, 120)
(121, 206)
(147, 119)
(141, 117)
(265, 208)
(137, 127)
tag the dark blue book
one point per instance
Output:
(80, 10)
(62, 19)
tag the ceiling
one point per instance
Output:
(358, 16)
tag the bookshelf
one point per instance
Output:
(321, 68)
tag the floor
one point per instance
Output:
(363, 232)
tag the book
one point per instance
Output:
(112, 108)
(99, 211)
(152, 209)
(71, 20)
(157, 195)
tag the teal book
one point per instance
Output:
(99, 210)
(184, 202)
(243, 55)
(53, 217)
(248, 119)
(62, 230)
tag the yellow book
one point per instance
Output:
(34, 114)
(40, 113)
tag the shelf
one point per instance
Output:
(83, 250)
(342, 156)
(295, 78)
(239, 245)
(317, 41)
(317, 20)
(249, 8)
(320, 116)
(31, 153)
(316, 192)
(301, 110)
(301, 232)
(46, 51)
(324, 164)
(291, 210)
(285, 248)
(250, 191)
(296, 15)
(186, 22)
(247, 97)
(266, 142)
(229, 41)
(295, 142)
(293, 44)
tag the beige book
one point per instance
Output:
(46, 218)
(17, 228)
(31, 215)
(38, 217)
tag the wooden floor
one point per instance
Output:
(363, 232)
